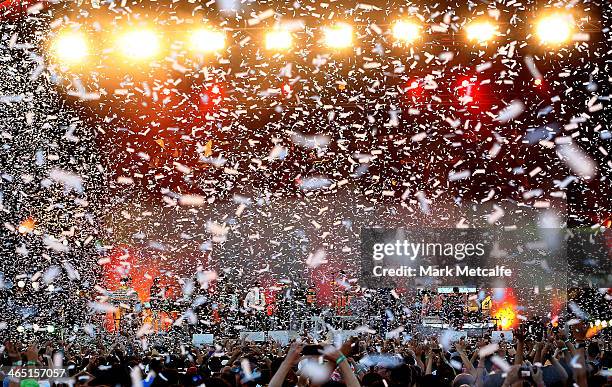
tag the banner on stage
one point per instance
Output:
(452, 336)
(256, 336)
(393, 335)
(199, 339)
(282, 337)
(499, 336)
(340, 336)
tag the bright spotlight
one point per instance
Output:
(406, 31)
(70, 48)
(206, 40)
(139, 44)
(278, 40)
(339, 36)
(555, 28)
(481, 32)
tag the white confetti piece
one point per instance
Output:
(577, 160)
(511, 112)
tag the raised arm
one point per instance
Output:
(292, 357)
(520, 346)
(558, 367)
(460, 347)
(341, 361)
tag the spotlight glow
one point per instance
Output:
(27, 226)
(278, 40)
(339, 36)
(206, 40)
(481, 32)
(139, 44)
(406, 31)
(555, 29)
(70, 48)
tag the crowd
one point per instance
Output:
(558, 358)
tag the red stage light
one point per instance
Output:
(209, 96)
(414, 89)
(467, 90)
(414, 86)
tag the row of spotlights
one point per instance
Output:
(142, 44)
(601, 323)
(37, 328)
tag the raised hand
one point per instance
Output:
(295, 351)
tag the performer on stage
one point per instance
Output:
(255, 299)
(486, 305)
(425, 304)
(472, 308)
(157, 300)
(127, 302)
(453, 309)
(255, 303)
(229, 308)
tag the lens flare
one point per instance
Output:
(139, 44)
(206, 40)
(70, 48)
(278, 40)
(555, 29)
(405, 31)
(339, 36)
(481, 32)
